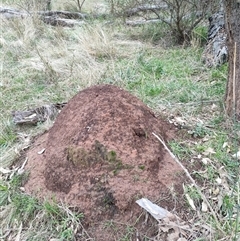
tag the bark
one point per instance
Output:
(216, 51)
(60, 21)
(145, 8)
(141, 22)
(64, 14)
(39, 114)
(232, 23)
(55, 18)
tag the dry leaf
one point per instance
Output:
(156, 211)
(225, 144)
(42, 151)
(20, 171)
(220, 201)
(180, 120)
(223, 174)
(208, 151)
(205, 139)
(177, 120)
(4, 171)
(190, 201)
(18, 237)
(218, 180)
(216, 191)
(202, 173)
(214, 106)
(22, 189)
(204, 207)
(173, 236)
(164, 229)
(237, 155)
(205, 161)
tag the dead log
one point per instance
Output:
(40, 114)
(146, 8)
(61, 21)
(64, 14)
(11, 13)
(54, 18)
(141, 22)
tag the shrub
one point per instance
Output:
(181, 16)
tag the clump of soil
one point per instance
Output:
(101, 156)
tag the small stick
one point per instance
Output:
(191, 179)
(234, 77)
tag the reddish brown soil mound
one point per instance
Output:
(101, 154)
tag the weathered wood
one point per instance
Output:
(216, 50)
(40, 114)
(64, 14)
(61, 21)
(145, 8)
(11, 13)
(54, 18)
(141, 22)
(232, 22)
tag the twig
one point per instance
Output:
(80, 5)
(200, 102)
(192, 180)
(234, 77)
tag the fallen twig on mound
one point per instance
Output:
(192, 180)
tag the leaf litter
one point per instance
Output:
(172, 227)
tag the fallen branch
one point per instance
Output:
(141, 22)
(65, 14)
(192, 180)
(36, 115)
(10, 13)
(54, 18)
(145, 8)
(61, 21)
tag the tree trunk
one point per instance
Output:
(232, 22)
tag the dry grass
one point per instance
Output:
(45, 65)
(88, 6)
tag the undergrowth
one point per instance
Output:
(41, 64)
(24, 217)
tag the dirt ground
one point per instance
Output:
(101, 156)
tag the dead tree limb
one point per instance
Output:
(64, 14)
(54, 18)
(39, 114)
(141, 22)
(11, 13)
(145, 8)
